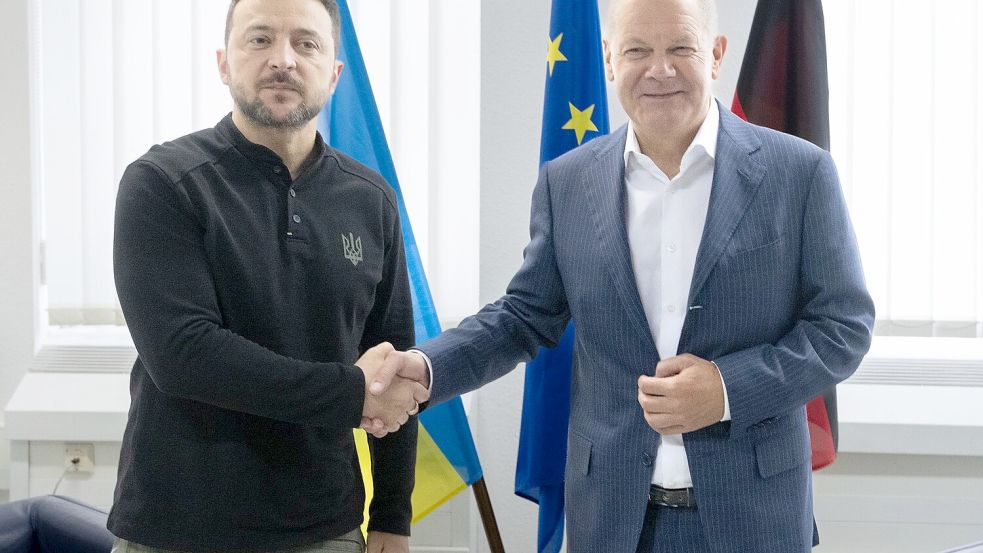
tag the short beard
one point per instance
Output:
(257, 112)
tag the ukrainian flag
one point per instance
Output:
(575, 110)
(446, 458)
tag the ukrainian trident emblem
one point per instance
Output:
(353, 248)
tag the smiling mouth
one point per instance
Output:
(662, 94)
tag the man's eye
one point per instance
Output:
(683, 50)
(309, 45)
(259, 41)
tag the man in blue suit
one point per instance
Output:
(713, 276)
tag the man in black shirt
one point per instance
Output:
(254, 265)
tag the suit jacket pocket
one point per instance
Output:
(781, 452)
(739, 249)
(579, 452)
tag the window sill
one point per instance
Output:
(86, 335)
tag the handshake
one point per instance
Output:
(396, 383)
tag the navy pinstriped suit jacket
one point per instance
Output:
(785, 314)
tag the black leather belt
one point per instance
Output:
(682, 497)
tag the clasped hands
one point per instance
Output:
(396, 383)
(686, 394)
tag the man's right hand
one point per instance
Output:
(399, 367)
(384, 412)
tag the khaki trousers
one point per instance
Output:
(351, 542)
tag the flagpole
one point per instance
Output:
(487, 516)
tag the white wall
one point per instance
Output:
(513, 46)
(899, 503)
(18, 269)
(735, 23)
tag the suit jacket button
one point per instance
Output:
(647, 460)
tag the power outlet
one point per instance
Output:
(80, 458)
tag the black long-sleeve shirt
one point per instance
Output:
(249, 296)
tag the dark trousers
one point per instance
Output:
(672, 530)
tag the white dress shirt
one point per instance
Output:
(664, 218)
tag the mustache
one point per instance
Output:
(280, 77)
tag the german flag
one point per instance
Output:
(784, 86)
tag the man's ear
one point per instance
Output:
(222, 60)
(338, 67)
(719, 49)
(608, 69)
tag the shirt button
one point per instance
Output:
(671, 308)
(293, 193)
(671, 248)
(277, 169)
(296, 218)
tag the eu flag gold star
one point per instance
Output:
(553, 53)
(580, 122)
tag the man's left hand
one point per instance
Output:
(382, 542)
(685, 394)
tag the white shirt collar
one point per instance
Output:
(705, 139)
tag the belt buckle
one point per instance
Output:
(673, 499)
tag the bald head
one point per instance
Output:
(706, 8)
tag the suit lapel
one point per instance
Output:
(604, 185)
(736, 177)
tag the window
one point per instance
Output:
(113, 78)
(906, 81)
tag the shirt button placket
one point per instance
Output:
(293, 194)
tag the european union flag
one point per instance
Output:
(446, 458)
(575, 110)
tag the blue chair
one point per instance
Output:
(53, 524)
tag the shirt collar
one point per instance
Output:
(259, 152)
(705, 139)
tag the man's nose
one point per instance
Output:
(283, 57)
(661, 68)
